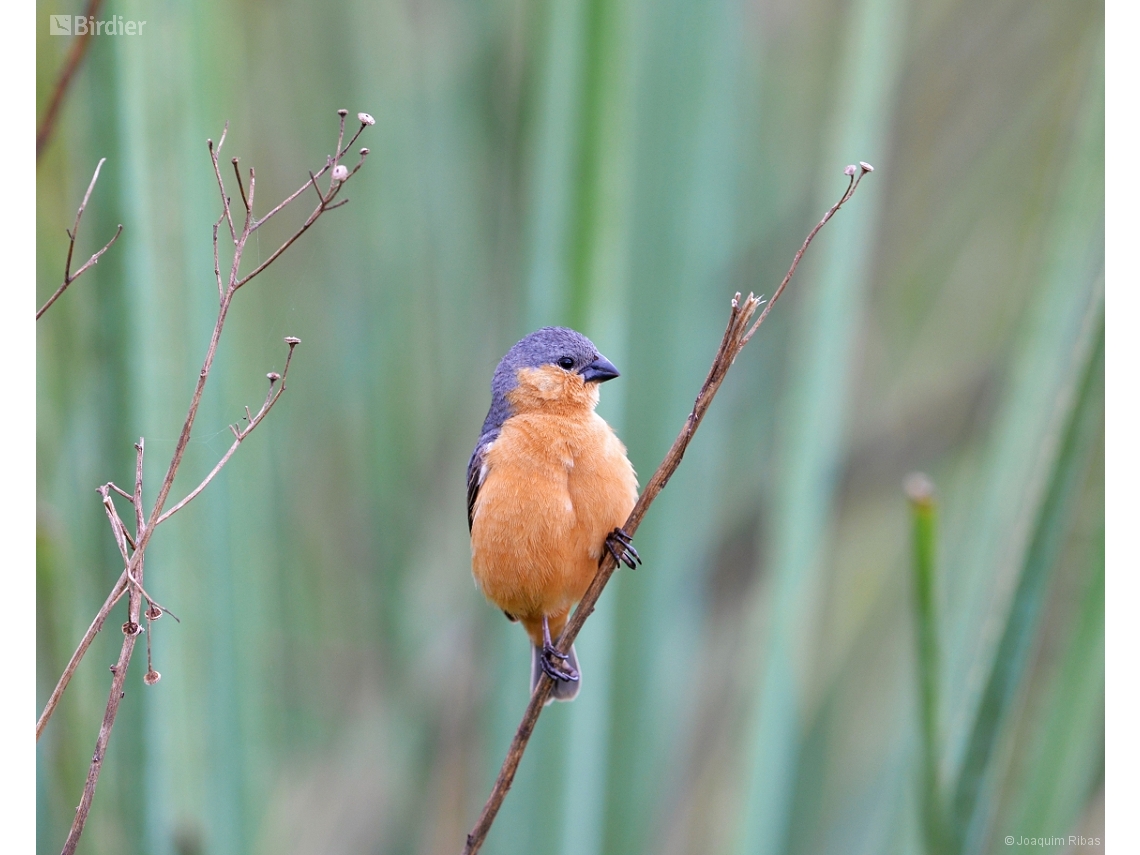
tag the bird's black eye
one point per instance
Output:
(566, 362)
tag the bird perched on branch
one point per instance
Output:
(548, 488)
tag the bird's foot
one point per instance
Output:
(620, 546)
(552, 668)
(550, 653)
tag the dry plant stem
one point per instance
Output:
(736, 335)
(68, 278)
(239, 437)
(132, 578)
(324, 205)
(131, 632)
(89, 636)
(74, 60)
(226, 296)
(120, 533)
(312, 182)
(221, 184)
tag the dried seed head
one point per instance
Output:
(131, 628)
(866, 167)
(153, 613)
(340, 172)
(365, 119)
(364, 152)
(273, 376)
(151, 677)
(850, 170)
(292, 340)
(342, 112)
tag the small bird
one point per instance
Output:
(548, 488)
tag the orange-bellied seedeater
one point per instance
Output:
(548, 488)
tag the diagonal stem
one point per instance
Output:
(68, 277)
(736, 335)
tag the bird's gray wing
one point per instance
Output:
(476, 474)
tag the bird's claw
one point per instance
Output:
(620, 546)
(554, 671)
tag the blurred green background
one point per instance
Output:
(337, 684)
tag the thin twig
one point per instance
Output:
(214, 153)
(736, 335)
(239, 436)
(131, 631)
(116, 524)
(74, 60)
(340, 136)
(89, 636)
(131, 580)
(312, 218)
(138, 499)
(217, 263)
(852, 184)
(241, 189)
(113, 486)
(68, 277)
(313, 179)
(123, 539)
(252, 190)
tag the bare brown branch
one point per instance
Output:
(89, 636)
(117, 529)
(312, 218)
(241, 189)
(214, 153)
(340, 136)
(239, 435)
(75, 56)
(313, 179)
(111, 485)
(68, 276)
(131, 631)
(133, 549)
(736, 335)
(138, 499)
(217, 263)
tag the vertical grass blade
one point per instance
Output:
(1039, 450)
(920, 491)
(990, 541)
(1068, 749)
(971, 809)
(812, 418)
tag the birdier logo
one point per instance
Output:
(84, 25)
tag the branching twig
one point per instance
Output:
(218, 175)
(313, 178)
(239, 436)
(131, 631)
(736, 335)
(68, 278)
(74, 60)
(325, 205)
(89, 636)
(133, 549)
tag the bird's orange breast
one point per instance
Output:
(558, 481)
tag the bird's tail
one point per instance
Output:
(564, 690)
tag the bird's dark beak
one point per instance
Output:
(599, 371)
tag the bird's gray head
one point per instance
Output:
(550, 346)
